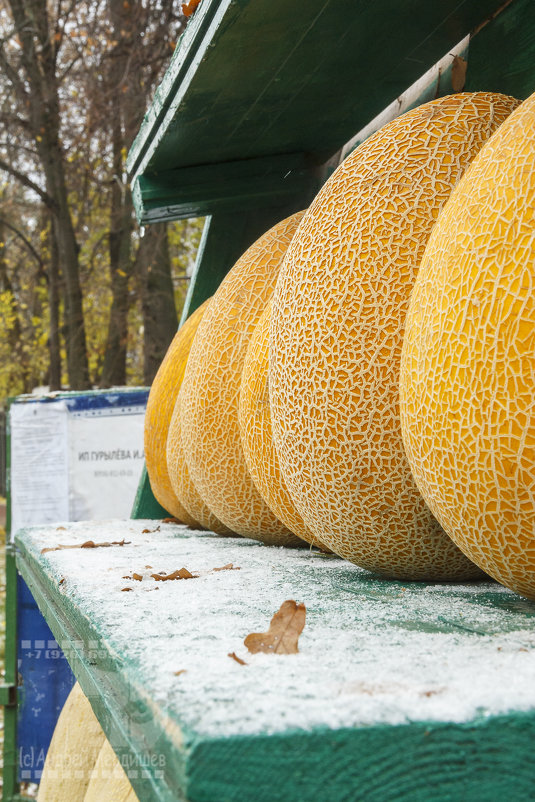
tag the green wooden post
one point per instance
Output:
(145, 504)
(9, 687)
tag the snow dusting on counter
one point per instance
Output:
(371, 652)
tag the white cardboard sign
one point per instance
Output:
(73, 465)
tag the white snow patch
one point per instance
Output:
(371, 652)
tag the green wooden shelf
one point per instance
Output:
(258, 94)
(400, 691)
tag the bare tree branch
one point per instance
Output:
(27, 182)
(24, 239)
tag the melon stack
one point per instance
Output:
(287, 424)
(160, 406)
(209, 397)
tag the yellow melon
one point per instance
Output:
(337, 331)
(254, 420)
(183, 487)
(160, 407)
(211, 387)
(73, 751)
(108, 780)
(468, 369)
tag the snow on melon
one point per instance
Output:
(183, 487)
(467, 376)
(160, 408)
(76, 742)
(337, 331)
(256, 433)
(211, 387)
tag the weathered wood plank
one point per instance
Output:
(502, 54)
(400, 691)
(223, 188)
(271, 77)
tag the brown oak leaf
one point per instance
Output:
(284, 630)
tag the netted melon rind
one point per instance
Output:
(183, 487)
(336, 336)
(468, 366)
(158, 415)
(210, 391)
(256, 434)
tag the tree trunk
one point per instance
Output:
(120, 244)
(15, 338)
(67, 249)
(54, 351)
(159, 312)
(42, 100)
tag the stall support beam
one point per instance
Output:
(9, 688)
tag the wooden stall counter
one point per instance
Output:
(399, 691)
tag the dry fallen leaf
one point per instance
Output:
(237, 659)
(89, 544)
(137, 577)
(284, 630)
(149, 531)
(458, 73)
(170, 521)
(229, 567)
(182, 573)
(125, 589)
(181, 671)
(58, 528)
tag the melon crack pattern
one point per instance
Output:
(468, 368)
(210, 391)
(256, 433)
(184, 489)
(336, 337)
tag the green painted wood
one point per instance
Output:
(481, 759)
(10, 786)
(485, 761)
(145, 504)
(123, 708)
(10, 751)
(223, 188)
(225, 238)
(271, 78)
(439, 87)
(502, 54)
